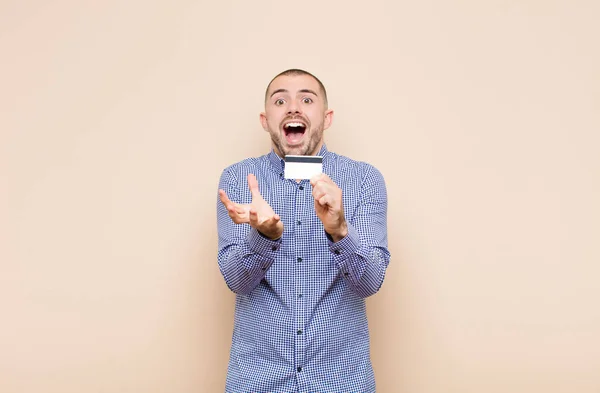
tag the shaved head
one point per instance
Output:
(295, 72)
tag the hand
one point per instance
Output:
(329, 206)
(258, 213)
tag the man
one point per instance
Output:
(301, 255)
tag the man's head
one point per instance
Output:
(296, 113)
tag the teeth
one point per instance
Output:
(294, 125)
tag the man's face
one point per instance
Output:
(295, 115)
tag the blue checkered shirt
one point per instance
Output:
(300, 316)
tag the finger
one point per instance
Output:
(271, 227)
(253, 185)
(237, 207)
(317, 193)
(234, 208)
(322, 187)
(325, 200)
(315, 179)
(316, 183)
(224, 199)
(230, 206)
(327, 180)
(272, 221)
(321, 177)
(253, 218)
(236, 218)
(325, 177)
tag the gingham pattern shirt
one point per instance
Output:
(300, 317)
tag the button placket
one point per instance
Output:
(301, 267)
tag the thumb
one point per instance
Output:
(253, 185)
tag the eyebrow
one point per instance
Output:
(300, 91)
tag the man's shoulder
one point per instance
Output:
(356, 167)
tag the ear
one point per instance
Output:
(263, 121)
(328, 119)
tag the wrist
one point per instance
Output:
(269, 236)
(340, 233)
(274, 234)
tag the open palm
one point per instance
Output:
(258, 214)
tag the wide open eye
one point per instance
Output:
(307, 100)
(280, 102)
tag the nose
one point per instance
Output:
(293, 108)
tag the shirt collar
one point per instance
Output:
(278, 164)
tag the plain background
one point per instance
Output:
(117, 118)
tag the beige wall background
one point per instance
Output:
(117, 118)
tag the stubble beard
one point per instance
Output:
(314, 141)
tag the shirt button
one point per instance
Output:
(337, 252)
(299, 332)
(274, 248)
(299, 369)
(300, 296)
(299, 259)
(299, 222)
(301, 188)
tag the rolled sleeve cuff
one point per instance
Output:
(345, 247)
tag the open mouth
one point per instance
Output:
(294, 131)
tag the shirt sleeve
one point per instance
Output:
(244, 254)
(362, 256)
